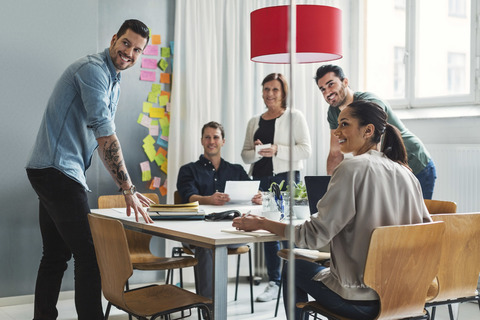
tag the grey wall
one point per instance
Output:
(39, 40)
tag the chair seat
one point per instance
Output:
(156, 299)
(162, 263)
(239, 250)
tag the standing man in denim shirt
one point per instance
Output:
(79, 118)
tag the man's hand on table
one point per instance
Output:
(136, 202)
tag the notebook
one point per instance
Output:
(316, 188)
(184, 211)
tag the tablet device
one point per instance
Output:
(241, 191)
(316, 188)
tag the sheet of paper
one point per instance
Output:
(257, 233)
(259, 147)
(241, 191)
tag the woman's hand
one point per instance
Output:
(248, 222)
(269, 152)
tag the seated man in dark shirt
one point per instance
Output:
(204, 181)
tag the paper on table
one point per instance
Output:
(257, 233)
(259, 147)
(241, 191)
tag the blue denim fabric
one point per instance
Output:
(427, 177)
(65, 232)
(304, 286)
(81, 109)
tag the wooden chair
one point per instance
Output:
(459, 266)
(139, 244)
(180, 251)
(440, 206)
(314, 256)
(401, 264)
(116, 268)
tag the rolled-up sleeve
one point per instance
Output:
(96, 92)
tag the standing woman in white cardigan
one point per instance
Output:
(272, 164)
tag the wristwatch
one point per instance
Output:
(132, 190)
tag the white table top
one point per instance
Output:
(197, 232)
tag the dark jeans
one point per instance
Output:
(427, 177)
(65, 231)
(304, 286)
(272, 261)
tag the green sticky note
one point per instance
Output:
(154, 123)
(163, 100)
(139, 120)
(162, 64)
(153, 97)
(156, 87)
(146, 107)
(149, 140)
(146, 175)
(165, 52)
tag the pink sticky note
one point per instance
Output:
(156, 182)
(147, 75)
(149, 63)
(145, 166)
(151, 50)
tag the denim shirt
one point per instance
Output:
(81, 109)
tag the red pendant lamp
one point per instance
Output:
(318, 38)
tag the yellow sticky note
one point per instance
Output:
(157, 112)
(139, 120)
(154, 123)
(165, 78)
(146, 107)
(156, 39)
(149, 151)
(162, 64)
(153, 97)
(163, 100)
(164, 167)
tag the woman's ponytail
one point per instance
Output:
(393, 146)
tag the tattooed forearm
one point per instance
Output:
(114, 161)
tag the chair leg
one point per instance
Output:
(434, 309)
(450, 311)
(251, 278)
(107, 311)
(236, 279)
(280, 288)
(128, 288)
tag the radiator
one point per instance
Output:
(458, 174)
(259, 261)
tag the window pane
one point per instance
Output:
(438, 73)
(384, 68)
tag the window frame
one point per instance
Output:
(410, 101)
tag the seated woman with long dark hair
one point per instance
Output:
(373, 188)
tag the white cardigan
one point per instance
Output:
(301, 137)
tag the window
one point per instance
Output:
(420, 53)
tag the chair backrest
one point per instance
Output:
(177, 199)
(113, 257)
(460, 260)
(138, 243)
(402, 262)
(440, 206)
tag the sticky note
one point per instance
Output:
(164, 167)
(163, 191)
(172, 46)
(157, 113)
(139, 120)
(146, 107)
(165, 78)
(162, 151)
(157, 87)
(152, 97)
(162, 64)
(156, 39)
(146, 172)
(147, 75)
(160, 159)
(162, 143)
(156, 182)
(149, 150)
(150, 185)
(163, 100)
(167, 108)
(146, 121)
(165, 52)
(149, 63)
(151, 50)
(165, 93)
(149, 140)
(153, 130)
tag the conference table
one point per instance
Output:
(200, 233)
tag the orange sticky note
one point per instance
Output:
(151, 187)
(163, 191)
(162, 151)
(165, 93)
(165, 78)
(156, 39)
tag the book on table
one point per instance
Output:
(189, 210)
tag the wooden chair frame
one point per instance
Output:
(401, 264)
(459, 266)
(115, 266)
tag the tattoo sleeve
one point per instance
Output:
(113, 159)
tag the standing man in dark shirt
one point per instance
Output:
(204, 181)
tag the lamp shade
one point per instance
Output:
(319, 34)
